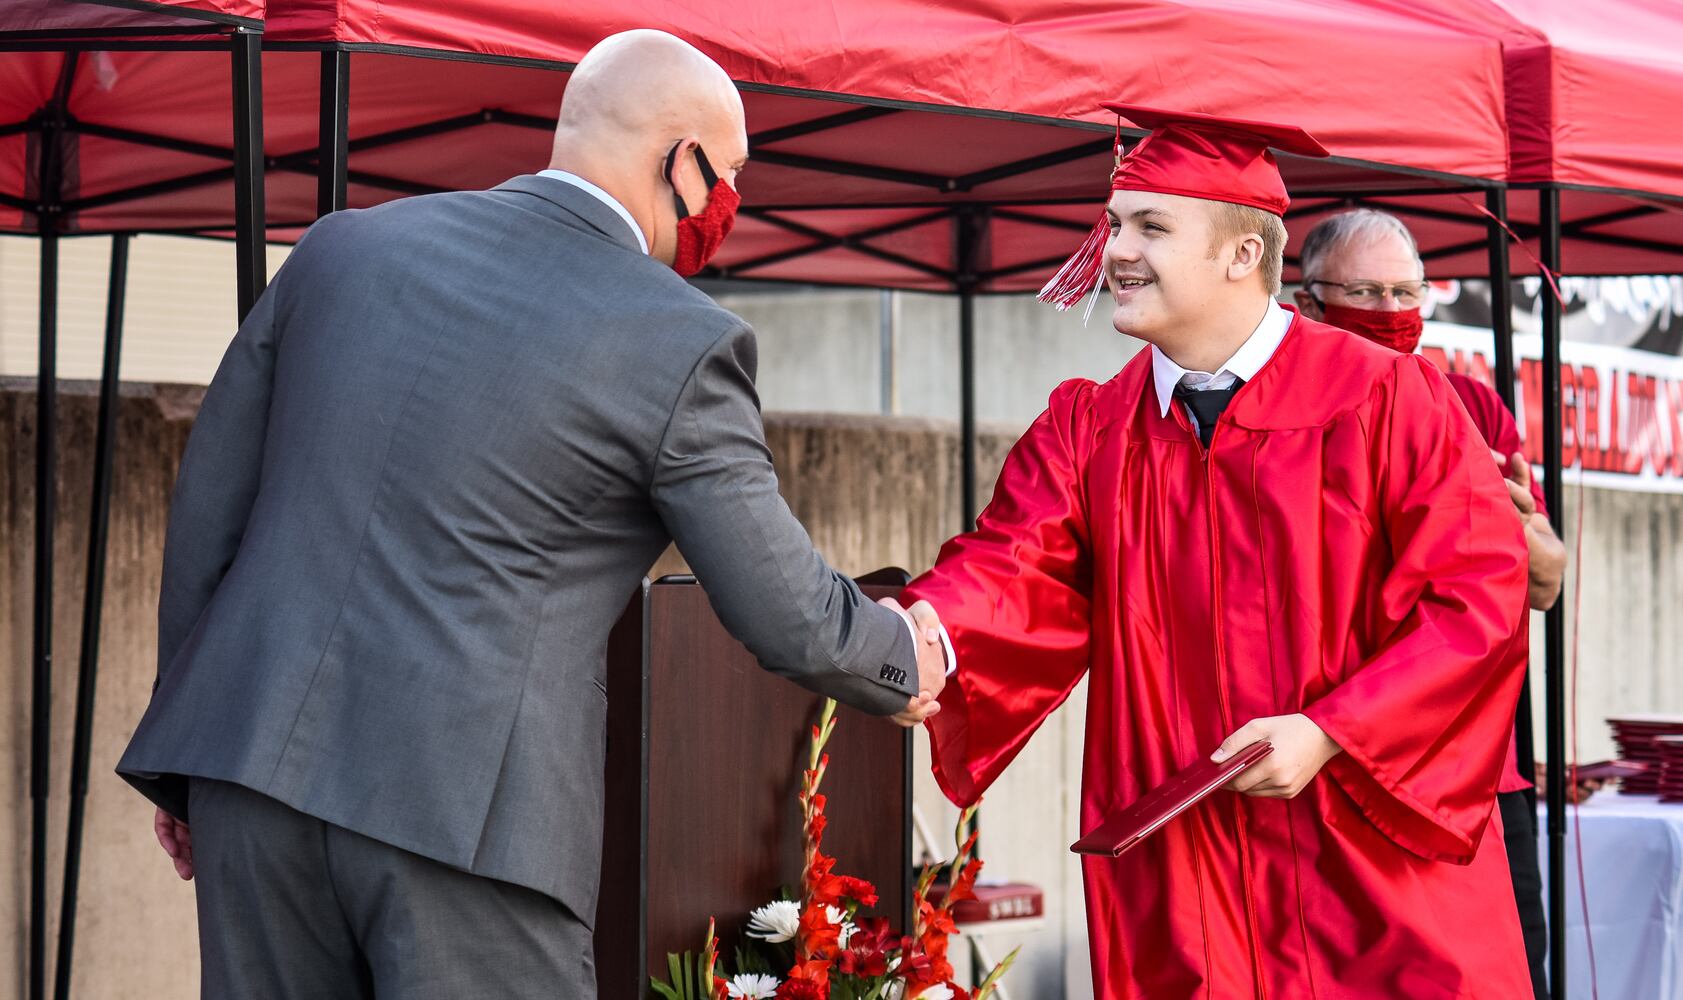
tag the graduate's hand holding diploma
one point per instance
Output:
(1301, 749)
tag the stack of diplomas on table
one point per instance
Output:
(1643, 741)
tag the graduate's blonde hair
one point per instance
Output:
(1230, 221)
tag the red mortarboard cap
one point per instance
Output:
(1202, 156)
(1192, 155)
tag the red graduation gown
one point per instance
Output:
(1345, 549)
(1498, 429)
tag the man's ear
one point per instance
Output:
(1306, 304)
(1246, 257)
(680, 171)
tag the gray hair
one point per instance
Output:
(1339, 231)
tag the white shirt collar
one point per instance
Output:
(604, 197)
(1244, 364)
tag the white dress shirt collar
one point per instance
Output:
(1244, 364)
(604, 197)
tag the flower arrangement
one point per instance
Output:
(817, 947)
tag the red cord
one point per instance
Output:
(1577, 648)
(1542, 269)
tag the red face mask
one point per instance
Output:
(1400, 331)
(700, 236)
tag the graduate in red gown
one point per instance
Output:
(1262, 528)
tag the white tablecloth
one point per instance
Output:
(1633, 871)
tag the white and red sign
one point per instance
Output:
(1622, 409)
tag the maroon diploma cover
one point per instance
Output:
(1607, 770)
(1127, 827)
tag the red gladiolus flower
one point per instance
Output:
(802, 989)
(965, 887)
(914, 964)
(819, 937)
(859, 890)
(815, 977)
(826, 891)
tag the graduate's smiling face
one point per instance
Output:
(1159, 266)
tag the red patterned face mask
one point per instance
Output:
(1400, 331)
(701, 235)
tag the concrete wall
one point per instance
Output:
(180, 306)
(135, 937)
(1625, 598)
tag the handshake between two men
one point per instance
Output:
(932, 660)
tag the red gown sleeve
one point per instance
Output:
(1014, 596)
(1424, 722)
(1496, 424)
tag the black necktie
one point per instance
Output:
(1207, 405)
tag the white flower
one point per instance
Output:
(847, 926)
(940, 991)
(751, 986)
(775, 922)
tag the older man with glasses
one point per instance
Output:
(1362, 272)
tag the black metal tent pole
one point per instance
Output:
(99, 523)
(46, 483)
(332, 163)
(47, 210)
(1501, 294)
(967, 242)
(1502, 335)
(249, 232)
(1554, 631)
(55, 126)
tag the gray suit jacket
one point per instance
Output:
(432, 469)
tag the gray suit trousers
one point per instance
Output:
(292, 908)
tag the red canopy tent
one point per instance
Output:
(1584, 86)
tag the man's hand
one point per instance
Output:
(1577, 793)
(1516, 471)
(931, 660)
(1548, 554)
(177, 842)
(1301, 749)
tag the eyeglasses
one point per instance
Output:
(1365, 294)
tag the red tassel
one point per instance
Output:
(1080, 274)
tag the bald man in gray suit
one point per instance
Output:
(437, 459)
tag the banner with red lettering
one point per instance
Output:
(1622, 409)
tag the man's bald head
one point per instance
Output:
(649, 87)
(634, 98)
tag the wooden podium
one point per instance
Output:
(705, 753)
